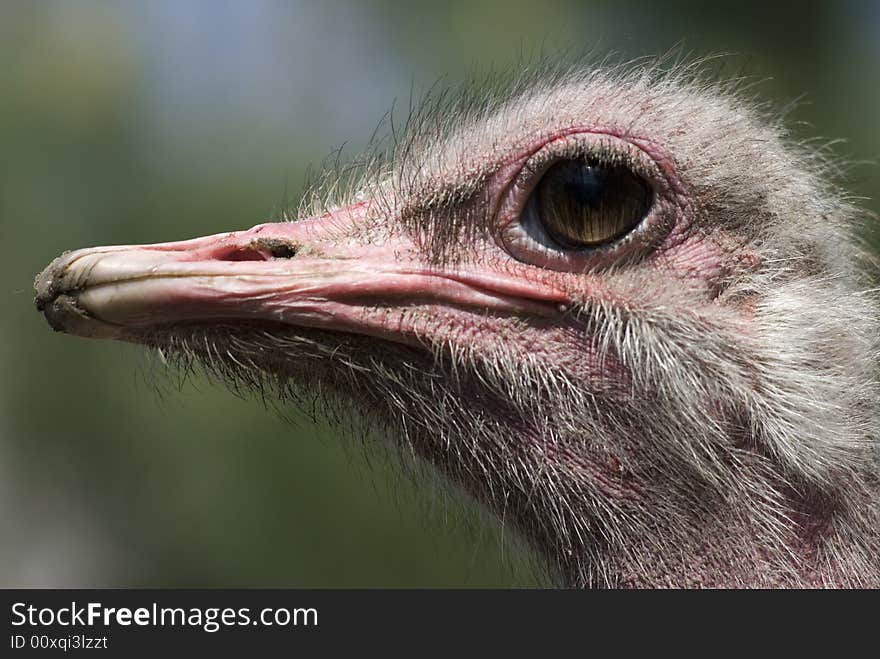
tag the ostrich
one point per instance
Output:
(617, 305)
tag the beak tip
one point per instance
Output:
(65, 314)
(47, 283)
(61, 309)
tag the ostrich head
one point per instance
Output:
(616, 306)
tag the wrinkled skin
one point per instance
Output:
(691, 405)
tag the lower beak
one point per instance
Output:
(305, 274)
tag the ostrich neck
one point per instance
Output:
(605, 513)
(820, 540)
(818, 548)
(633, 537)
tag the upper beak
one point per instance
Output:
(314, 273)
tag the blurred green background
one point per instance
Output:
(126, 122)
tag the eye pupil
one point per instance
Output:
(584, 185)
(585, 203)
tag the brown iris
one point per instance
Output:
(585, 203)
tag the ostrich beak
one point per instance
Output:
(313, 273)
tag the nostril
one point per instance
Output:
(262, 249)
(283, 251)
(277, 249)
(244, 254)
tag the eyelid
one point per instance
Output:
(513, 235)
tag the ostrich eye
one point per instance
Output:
(586, 203)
